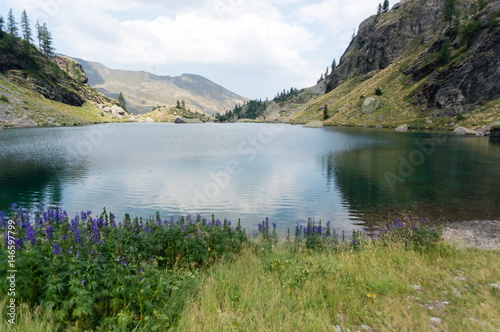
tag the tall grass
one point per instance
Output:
(194, 274)
(387, 288)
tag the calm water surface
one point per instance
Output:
(350, 176)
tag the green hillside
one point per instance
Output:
(37, 89)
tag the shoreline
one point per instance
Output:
(473, 234)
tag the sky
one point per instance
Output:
(254, 48)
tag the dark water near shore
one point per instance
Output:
(350, 176)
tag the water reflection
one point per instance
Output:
(451, 179)
(351, 176)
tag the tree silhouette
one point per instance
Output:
(46, 40)
(385, 7)
(11, 24)
(122, 101)
(26, 27)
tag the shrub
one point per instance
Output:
(4, 99)
(469, 32)
(378, 91)
(460, 117)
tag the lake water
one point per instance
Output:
(353, 177)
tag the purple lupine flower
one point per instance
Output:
(30, 234)
(83, 281)
(48, 233)
(94, 230)
(56, 250)
(183, 228)
(2, 220)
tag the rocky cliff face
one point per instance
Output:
(61, 79)
(470, 75)
(470, 80)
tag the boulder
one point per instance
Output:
(314, 124)
(402, 128)
(465, 131)
(369, 105)
(182, 120)
(117, 110)
(272, 112)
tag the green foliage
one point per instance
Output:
(46, 41)
(96, 274)
(469, 32)
(444, 55)
(4, 99)
(482, 4)
(378, 91)
(326, 116)
(12, 24)
(122, 101)
(494, 20)
(385, 7)
(416, 234)
(26, 27)
(285, 95)
(460, 117)
(449, 10)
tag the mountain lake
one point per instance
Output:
(353, 177)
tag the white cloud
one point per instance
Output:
(273, 44)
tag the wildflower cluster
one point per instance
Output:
(316, 236)
(414, 233)
(96, 272)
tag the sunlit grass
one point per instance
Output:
(282, 290)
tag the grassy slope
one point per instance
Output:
(283, 291)
(24, 102)
(344, 102)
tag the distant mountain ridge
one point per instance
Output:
(143, 90)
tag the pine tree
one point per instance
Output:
(39, 34)
(1, 23)
(444, 56)
(46, 37)
(183, 104)
(26, 27)
(379, 10)
(449, 10)
(11, 24)
(122, 102)
(385, 8)
(325, 113)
